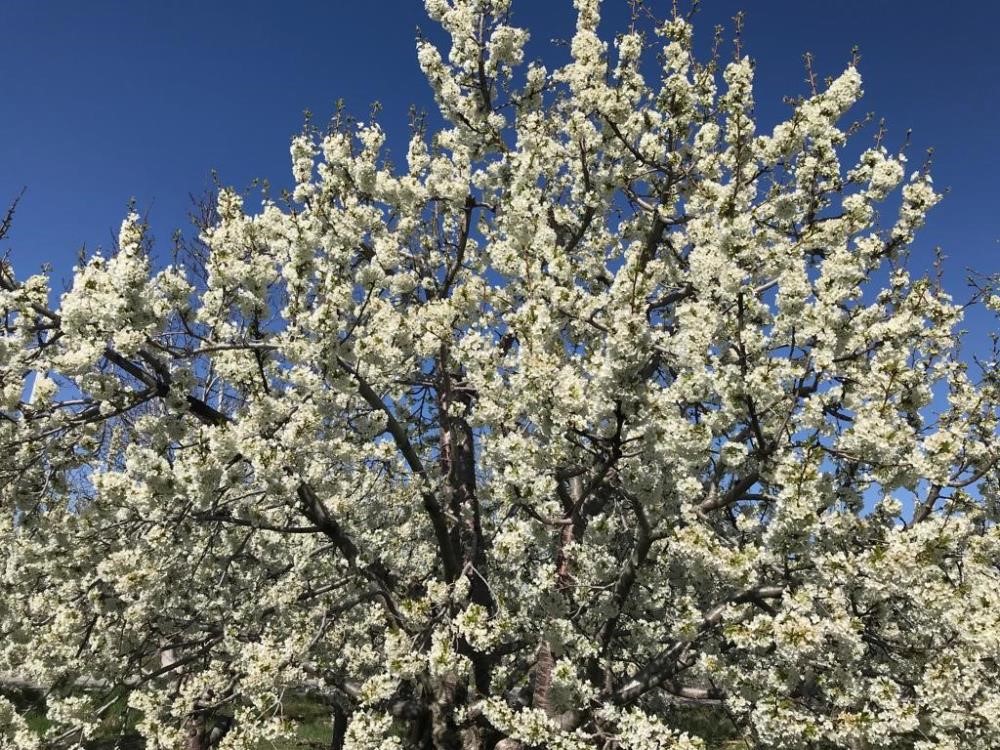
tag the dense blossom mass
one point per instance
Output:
(607, 408)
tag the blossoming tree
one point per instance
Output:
(592, 412)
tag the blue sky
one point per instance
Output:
(110, 100)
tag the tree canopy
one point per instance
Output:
(605, 404)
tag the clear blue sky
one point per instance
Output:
(107, 100)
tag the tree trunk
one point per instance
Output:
(339, 728)
(197, 737)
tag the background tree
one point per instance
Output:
(605, 402)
